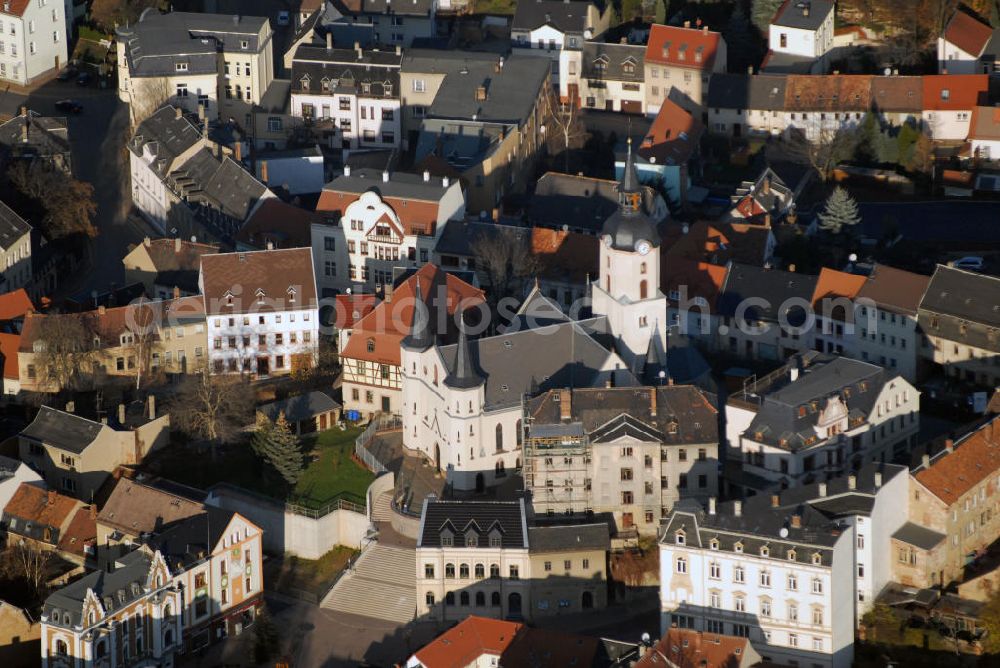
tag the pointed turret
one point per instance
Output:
(420, 336)
(656, 359)
(629, 188)
(463, 372)
(629, 226)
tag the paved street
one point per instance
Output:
(98, 136)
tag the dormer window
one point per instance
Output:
(713, 544)
(447, 538)
(370, 345)
(817, 559)
(325, 83)
(260, 295)
(180, 67)
(791, 555)
(305, 82)
(471, 539)
(765, 551)
(738, 547)
(366, 88)
(680, 538)
(291, 294)
(495, 538)
(387, 89)
(244, 44)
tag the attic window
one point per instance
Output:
(791, 555)
(260, 296)
(713, 544)
(305, 82)
(387, 89)
(291, 294)
(945, 94)
(738, 548)
(679, 537)
(244, 44)
(325, 83)
(765, 551)
(180, 67)
(366, 88)
(816, 558)
(371, 345)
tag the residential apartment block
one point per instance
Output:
(377, 221)
(33, 39)
(349, 96)
(887, 332)
(682, 59)
(261, 310)
(801, 32)
(223, 64)
(630, 452)
(609, 77)
(779, 569)
(961, 326)
(820, 416)
(967, 46)
(379, 22)
(166, 268)
(558, 30)
(15, 251)
(568, 568)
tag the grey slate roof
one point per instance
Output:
(167, 135)
(157, 41)
(803, 14)
(12, 226)
(728, 91)
(301, 407)
(963, 294)
(346, 72)
(566, 538)
(581, 203)
(47, 135)
(402, 185)
(564, 16)
(529, 361)
(234, 190)
(481, 516)
(459, 237)
(62, 430)
(774, 286)
(334, 9)
(615, 57)
(918, 536)
(510, 93)
(629, 225)
(117, 589)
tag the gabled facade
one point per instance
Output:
(949, 101)
(967, 46)
(609, 77)
(377, 221)
(36, 40)
(350, 96)
(685, 59)
(558, 30)
(379, 22)
(819, 417)
(166, 267)
(261, 310)
(628, 452)
(15, 251)
(803, 28)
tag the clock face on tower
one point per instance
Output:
(643, 247)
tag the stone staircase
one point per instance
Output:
(382, 510)
(382, 585)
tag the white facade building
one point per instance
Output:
(262, 311)
(32, 39)
(803, 28)
(557, 30)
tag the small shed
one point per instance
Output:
(306, 413)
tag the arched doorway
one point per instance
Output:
(480, 483)
(588, 600)
(437, 457)
(514, 604)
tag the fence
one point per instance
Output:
(294, 508)
(381, 422)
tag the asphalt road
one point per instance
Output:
(98, 137)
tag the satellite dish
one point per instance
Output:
(347, 291)
(887, 71)
(853, 257)
(645, 638)
(783, 532)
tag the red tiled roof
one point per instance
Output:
(387, 324)
(417, 216)
(566, 253)
(673, 136)
(833, 283)
(828, 92)
(721, 241)
(968, 33)
(352, 308)
(682, 47)
(41, 507)
(272, 272)
(15, 304)
(467, 641)
(693, 279)
(16, 8)
(952, 474)
(286, 225)
(685, 648)
(895, 289)
(82, 530)
(958, 92)
(9, 344)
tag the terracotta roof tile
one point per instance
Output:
(686, 648)
(673, 137)
(952, 474)
(286, 225)
(352, 308)
(272, 272)
(82, 531)
(894, 289)
(833, 283)
(136, 508)
(697, 279)
(960, 92)
(386, 325)
(566, 253)
(9, 344)
(16, 8)
(828, 92)
(40, 506)
(968, 33)
(15, 304)
(467, 641)
(682, 47)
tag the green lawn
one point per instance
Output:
(332, 475)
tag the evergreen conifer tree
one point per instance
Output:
(841, 212)
(275, 443)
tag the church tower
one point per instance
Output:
(628, 288)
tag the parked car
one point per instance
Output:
(971, 263)
(68, 74)
(71, 106)
(84, 79)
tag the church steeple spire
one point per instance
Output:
(629, 188)
(463, 372)
(420, 336)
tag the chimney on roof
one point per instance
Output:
(767, 219)
(177, 244)
(711, 505)
(93, 511)
(944, 69)
(852, 482)
(51, 496)
(151, 403)
(269, 245)
(822, 490)
(949, 445)
(178, 112)
(737, 508)
(385, 176)
(101, 309)
(24, 130)
(796, 521)
(775, 500)
(146, 242)
(687, 24)
(480, 93)
(805, 9)
(652, 401)
(704, 29)
(347, 170)
(201, 113)
(239, 150)
(399, 49)
(204, 127)
(791, 267)
(445, 181)
(70, 406)
(329, 41)
(177, 292)
(878, 479)
(565, 405)
(121, 414)
(925, 461)
(263, 171)
(427, 175)
(358, 50)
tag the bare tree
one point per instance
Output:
(141, 324)
(568, 129)
(63, 349)
(504, 256)
(31, 563)
(213, 408)
(823, 152)
(146, 96)
(66, 205)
